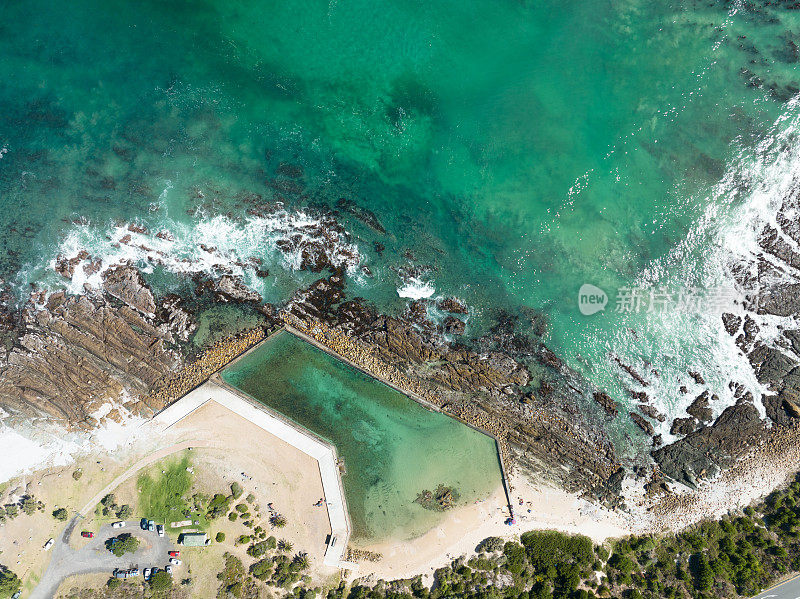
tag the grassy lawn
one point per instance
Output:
(163, 496)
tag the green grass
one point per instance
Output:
(163, 497)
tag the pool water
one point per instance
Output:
(392, 447)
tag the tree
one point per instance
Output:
(704, 575)
(9, 582)
(236, 490)
(220, 537)
(124, 512)
(161, 581)
(60, 514)
(28, 504)
(301, 560)
(113, 583)
(278, 521)
(124, 543)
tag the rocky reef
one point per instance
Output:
(64, 356)
(543, 431)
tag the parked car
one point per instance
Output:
(151, 525)
(174, 553)
(174, 562)
(120, 574)
(49, 544)
(168, 569)
(146, 573)
(119, 524)
(133, 572)
(160, 530)
(87, 535)
(143, 524)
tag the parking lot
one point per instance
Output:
(95, 558)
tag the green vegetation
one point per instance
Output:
(161, 581)
(731, 558)
(108, 508)
(234, 580)
(163, 495)
(124, 543)
(60, 514)
(27, 504)
(76, 475)
(236, 490)
(220, 537)
(218, 506)
(9, 583)
(277, 521)
(113, 583)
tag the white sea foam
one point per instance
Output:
(746, 199)
(416, 288)
(211, 245)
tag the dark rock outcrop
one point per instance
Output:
(651, 412)
(700, 408)
(704, 452)
(609, 405)
(683, 426)
(642, 423)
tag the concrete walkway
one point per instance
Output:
(258, 414)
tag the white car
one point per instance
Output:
(168, 569)
(119, 524)
(146, 573)
(49, 544)
(160, 530)
(175, 562)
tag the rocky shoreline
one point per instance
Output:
(64, 356)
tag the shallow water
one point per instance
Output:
(392, 447)
(519, 149)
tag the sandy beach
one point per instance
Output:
(466, 526)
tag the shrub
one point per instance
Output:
(161, 581)
(277, 521)
(124, 512)
(241, 508)
(60, 514)
(113, 583)
(233, 516)
(491, 545)
(76, 475)
(236, 490)
(220, 537)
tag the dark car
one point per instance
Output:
(143, 524)
(87, 535)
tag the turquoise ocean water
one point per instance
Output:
(519, 149)
(392, 448)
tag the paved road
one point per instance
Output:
(94, 558)
(789, 589)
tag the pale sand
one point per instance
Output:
(464, 527)
(276, 472)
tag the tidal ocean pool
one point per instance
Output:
(392, 447)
